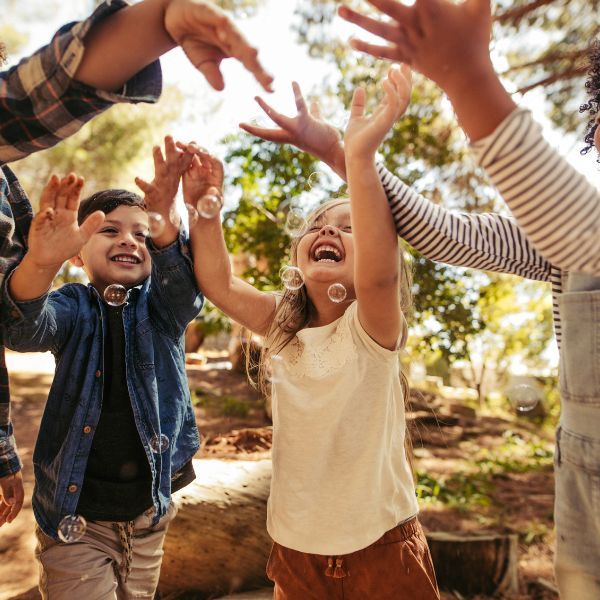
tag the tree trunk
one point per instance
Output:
(475, 564)
(218, 543)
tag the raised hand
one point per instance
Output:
(203, 176)
(55, 236)
(11, 497)
(160, 193)
(442, 39)
(208, 36)
(364, 133)
(308, 131)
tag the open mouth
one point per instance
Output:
(327, 253)
(126, 259)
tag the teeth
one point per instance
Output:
(327, 249)
(125, 259)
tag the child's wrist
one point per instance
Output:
(32, 263)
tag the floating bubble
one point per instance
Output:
(192, 214)
(156, 224)
(313, 179)
(71, 528)
(524, 397)
(209, 206)
(295, 223)
(337, 292)
(159, 443)
(292, 278)
(115, 294)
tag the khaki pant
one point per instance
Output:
(93, 567)
(396, 567)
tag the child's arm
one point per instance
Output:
(160, 194)
(484, 241)
(134, 37)
(54, 237)
(376, 269)
(558, 209)
(236, 298)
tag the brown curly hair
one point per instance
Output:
(592, 85)
(2, 53)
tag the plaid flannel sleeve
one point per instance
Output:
(40, 105)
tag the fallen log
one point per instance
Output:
(218, 542)
(475, 564)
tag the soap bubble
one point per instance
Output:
(292, 278)
(295, 223)
(192, 214)
(209, 206)
(337, 292)
(115, 294)
(524, 397)
(71, 528)
(156, 224)
(159, 443)
(313, 179)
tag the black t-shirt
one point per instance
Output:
(117, 484)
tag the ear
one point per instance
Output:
(76, 261)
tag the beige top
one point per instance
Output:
(340, 474)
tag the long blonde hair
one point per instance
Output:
(295, 311)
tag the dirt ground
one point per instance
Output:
(233, 423)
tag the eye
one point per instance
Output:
(313, 228)
(109, 230)
(347, 228)
(142, 234)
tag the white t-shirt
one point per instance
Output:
(340, 474)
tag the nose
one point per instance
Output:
(127, 240)
(328, 230)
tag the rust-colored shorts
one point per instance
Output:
(396, 567)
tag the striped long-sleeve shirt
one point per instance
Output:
(557, 211)
(41, 104)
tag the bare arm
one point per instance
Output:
(236, 298)
(134, 37)
(376, 269)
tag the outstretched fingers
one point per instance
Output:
(146, 187)
(91, 225)
(48, 197)
(385, 30)
(357, 108)
(279, 136)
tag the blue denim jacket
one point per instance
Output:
(70, 323)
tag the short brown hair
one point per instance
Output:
(107, 201)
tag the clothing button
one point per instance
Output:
(98, 373)
(72, 488)
(87, 429)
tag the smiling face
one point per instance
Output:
(117, 252)
(325, 254)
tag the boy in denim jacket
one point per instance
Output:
(118, 432)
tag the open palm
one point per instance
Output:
(308, 131)
(55, 235)
(203, 176)
(364, 133)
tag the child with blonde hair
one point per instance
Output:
(342, 510)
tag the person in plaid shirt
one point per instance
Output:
(50, 95)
